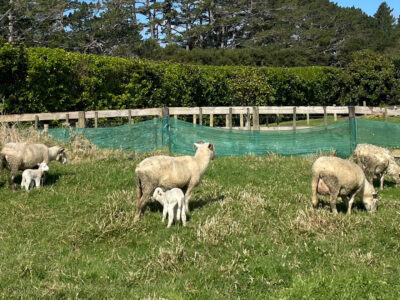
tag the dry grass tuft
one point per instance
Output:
(173, 257)
(115, 217)
(321, 222)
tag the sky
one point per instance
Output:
(370, 6)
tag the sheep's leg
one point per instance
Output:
(346, 201)
(382, 180)
(170, 215)
(183, 214)
(314, 188)
(350, 204)
(23, 182)
(11, 183)
(333, 197)
(188, 194)
(141, 202)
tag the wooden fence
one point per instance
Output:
(246, 114)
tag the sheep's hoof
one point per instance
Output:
(136, 218)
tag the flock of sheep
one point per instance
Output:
(163, 177)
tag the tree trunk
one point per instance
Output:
(11, 23)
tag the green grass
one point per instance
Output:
(252, 234)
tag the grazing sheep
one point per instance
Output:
(30, 176)
(377, 161)
(339, 177)
(169, 172)
(21, 156)
(173, 202)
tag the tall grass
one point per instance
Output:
(252, 234)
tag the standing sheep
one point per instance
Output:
(173, 202)
(34, 177)
(21, 156)
(169, 172)
(338, 177)
(377, 161)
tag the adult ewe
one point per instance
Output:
(377, 161)
(168, 172)
(339, 177)
(22, 156)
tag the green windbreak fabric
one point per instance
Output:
(378, 133)
(240, 142)
(141, 137)
(179, 137)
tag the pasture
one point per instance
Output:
(252, 234)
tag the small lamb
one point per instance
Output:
(173, 202)
(31, 177)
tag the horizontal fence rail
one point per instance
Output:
(248, 114)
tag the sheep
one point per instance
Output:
(169, 172)
(173, 202)
(22, 156)
(339, 177)
(30, 176)
(377, 161)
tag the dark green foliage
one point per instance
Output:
(56, 80)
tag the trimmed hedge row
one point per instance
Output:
(49, 80)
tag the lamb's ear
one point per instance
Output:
(211, 146)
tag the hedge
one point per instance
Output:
(49, 80)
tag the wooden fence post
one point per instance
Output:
(228, 119)
(96, 119)
(81, 119)
(248, 121)
(294, 118)
(45, 128)
(334, 114)
(241, 121)
(194, 119)
(385, 114)
(325, 116)
(129, 117)
(36, 122)
(200, 116)
(67, 119)
(353, 129)
(256, 118)
(211, 120)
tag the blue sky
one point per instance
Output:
(370, 6)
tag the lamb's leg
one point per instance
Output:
(164, 213)
(179, 211)
(37, 182)
(314, 188)
(170, 215)
(382, 180)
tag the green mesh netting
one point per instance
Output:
(378, 133)
(179, 137)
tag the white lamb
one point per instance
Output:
(173, 202)
(31, 177)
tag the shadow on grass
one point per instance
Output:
(200, 202)
(341, 207)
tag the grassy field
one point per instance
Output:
(252, 234)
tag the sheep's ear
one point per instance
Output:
(211, 146)
(61, 150)
(196, 145)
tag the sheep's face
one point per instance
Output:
(159, 194)
(44, 167)
(61, 156)
(202, 146)
(370, 198)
